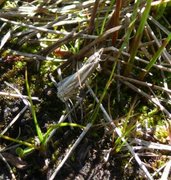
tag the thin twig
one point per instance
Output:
(166, 171)
(25, 101)
(17, 96)
(166, 56)
(42, 29)
(14, 120)
(115, 50)
(152, 99)
(101, 38)
(61, 41)
(8, 166)
(144, 83)
(151, 145)
(71, 151)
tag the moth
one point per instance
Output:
(69, 86)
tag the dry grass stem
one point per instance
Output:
(71, 151)
(8, 166)
(154, 100)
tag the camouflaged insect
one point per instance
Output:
(69, 87)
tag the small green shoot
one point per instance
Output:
(24, 152)
(30, 147)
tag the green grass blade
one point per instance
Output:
(17, 141)
(52, 127)
(130, 28)
(96, 110)
(38, 130)
(155, 57)
(106, 17)
(137, 39)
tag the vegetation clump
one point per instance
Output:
(85, 89)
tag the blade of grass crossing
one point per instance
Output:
(155, 57)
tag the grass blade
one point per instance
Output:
(38, 130)
(137, 39)
(155, 57)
